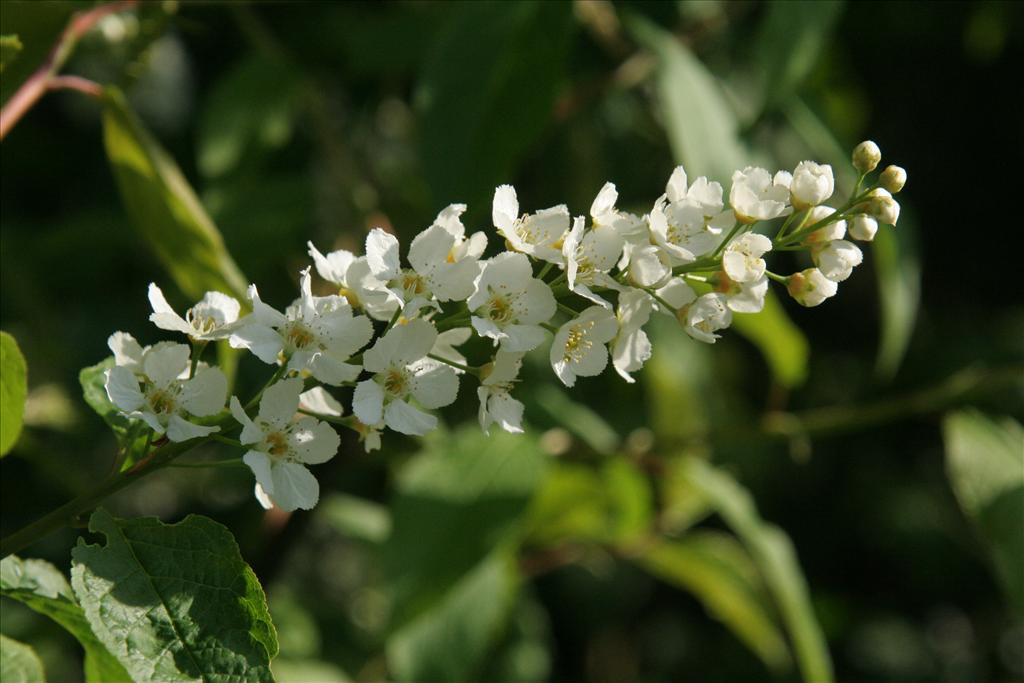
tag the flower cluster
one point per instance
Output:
(388, 337)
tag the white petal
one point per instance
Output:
(163, 316)
(126, 350)
(382, 255)
(262, 313)
(449, 219)
(262, 497)
(280, 402)
(537, 305)
(123, 389)
(368, 402)
(250, 432)
(264, 342)
(506, 411)
(522, 337)
(676, 187)
(260, 464)
(294, 487)
(403, 418)
(334, 266)
(317, 400)
(605, 200)
(434, 384)
(165, 362)
(314, 442)
(505, 208)
(330, 370)
(205, 393)
(179, 429)
(430, 249)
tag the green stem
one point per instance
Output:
(545, 270)
(225, 440)
(465, 368)
(667, 305)
(778, 278)
(567, 310)
(229, 462)
(728, 238)
(198, 346)
(280, 372)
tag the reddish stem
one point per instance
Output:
(45, 77)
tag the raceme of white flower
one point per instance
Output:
(389, 339)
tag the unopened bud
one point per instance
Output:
(863, 227)
(810, 287)
(893, 178)
(866, 156)
(883, 207)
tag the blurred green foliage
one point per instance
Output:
(603, 545)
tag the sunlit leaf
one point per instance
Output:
(450, 641)
(456, 501)
(774, 557)
(163, 207)
(13, 390)
(985, 464)
(356, 517)
(719, 572)
(19, 663)
(513, 54)
(783, 343)
(174, 602)
(701, 125)
(42, 587)
(10, 46)
(789, 44)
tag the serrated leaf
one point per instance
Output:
(514, 55)
(774, 557)
(716, 569)
(782, 343)
(985, 465)
(456, 501)
(42, 587)
(10, 47)
(450, 641)
(163, 207)
(174, 602)
(702, 126)
(789, 44)
(19, 663)
(13, 390)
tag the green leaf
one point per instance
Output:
(19, 663)
(10, 46)
(587, 424)
(94, 392)
(985, 464)
(789, 44)
(174, 602)
(42, 587)
(13, 390)
(356, 517)
(163, 206)
(514, 55)
(451, 641)
(898, 272)
(252, 107)
(783, 343)
(702, 126)
(719, 572)
(456, 501)
(774, 557)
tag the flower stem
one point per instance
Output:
(465, 368)
(728, 238)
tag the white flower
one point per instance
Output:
(836, 230)
(812, 184)
(863, 227)
(757, 196)
(677, 294)
(315, 335)
(837, 259)
(401, 369)
(317, 400)
(161, 394)
(212, 318)
(444, 346)
(444, 264)
(644, 265)
(355, 282)
(578, 349)
(281, 448)
(589, 255)
(127, 352)
(631, 348)
(603, 214)
(742, 258)
(883, 207)
(704, 194)
(743, 297)
(494, 392)
(683, 231)
(705, 316)
(540, 234)
(810, 287)
(509, 303)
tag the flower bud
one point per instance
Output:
(863, 227)
(811, 185)
(893, 179)
(866, 156)
(883, 207)
(810, 287)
